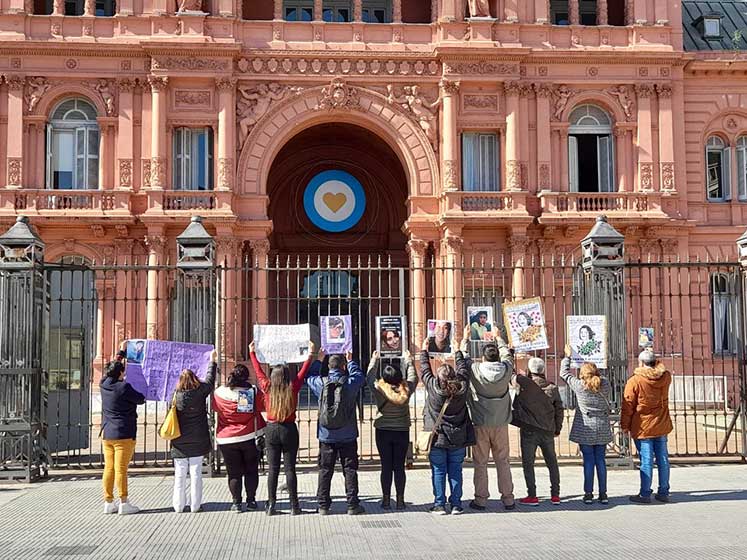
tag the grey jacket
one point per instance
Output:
(591, 422)
(392, 405)
(489, 398)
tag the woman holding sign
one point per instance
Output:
(194, 443)
(239, 405)
(591, 423)
(281, 394)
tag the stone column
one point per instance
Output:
(541, 11)
(602, 12)
(357, 10)
(451, 245)
(645, 142)
(511, 11)
(417, 248)
(278, 12)
(318, 10)
(666, 138)
(124, 8)
(106, 161)
(639, 12)
(518, 243)
(58, 7)
(449, 135)
(228, 257)
(573, 14)
(89, 8)
(158, 149)
(226, 132)
(661, 13)
(397, 11)
(156, 243)
(260, 252)
(544, 146)
(14, 142)
(513, 165)
(449, 10)
(125, 139)
(620, 159)
(564, 178)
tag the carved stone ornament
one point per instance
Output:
(562, 94)
(451, 175)
(252, 104)
(105, 89)
(125, 173)
(479, 8)
(481, 103)
(158, 172)
(226, 84)
(155, 243)
(15, 82)
(667, 177)
(664, 91)
(192, 97)
(414, 103)
(225, 173)
(260, 250)
(15, 171)
(513, 175)
(644, 90)
(417, 248)
(338, 96)
(146, 173)
(158, 83)
(189, 5)
(481, 68)
(189, 63)
(35, 89)
(544, 176)
(622, 94)
(647, 177)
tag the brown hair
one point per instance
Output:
(187, 381)
(447, 380)
(282, 399)
(589, 374)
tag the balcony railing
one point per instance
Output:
(42, 200)
(580, 203)
(181, 200)
(463, 201)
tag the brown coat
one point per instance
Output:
(645, 407)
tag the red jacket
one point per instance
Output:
(264, 384)
(234, 426)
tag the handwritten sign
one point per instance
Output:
(277, 344)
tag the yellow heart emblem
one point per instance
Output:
(335, 201)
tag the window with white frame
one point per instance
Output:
(377, 11)
(590, 150)
(742, 168)
(298, 10)
(73, 146)
(723, 313)
(337, 10)
(480, 162)
(718, 166)
(193, 159)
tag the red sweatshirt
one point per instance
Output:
(235, 426)
(264, 384)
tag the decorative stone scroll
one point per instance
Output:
(481, 68)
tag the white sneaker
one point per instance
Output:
(126, 508)
(111, 507)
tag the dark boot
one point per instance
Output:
(386, 502)
(270, 508)
(295, 508)
(400, 502)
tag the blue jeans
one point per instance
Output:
(647, 449)
(447, 463)
(594, 458)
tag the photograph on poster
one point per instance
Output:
(481, 323)
(525, 325)
(439, 336)
(136, 351)
(392, 336)
(587, 337)
(646, 337)
(337, 334)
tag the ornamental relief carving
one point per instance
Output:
(622, 94)
(15, 171)
(561, 96)
(253, 102)
(192, 98)
(338, 95)
(667, 177)
(647, 177)
(330, 66)
(189, 63)
(451, 175)
(480, 68)
(146, 173)
(418, 107)
(474, 102)
(36, 87)
(125, 173)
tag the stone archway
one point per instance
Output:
(342, 103)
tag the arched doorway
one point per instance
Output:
(590, 150)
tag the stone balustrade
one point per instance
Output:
(580, 203)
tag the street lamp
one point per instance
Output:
(602, 247)
(195, 247)
(20, 246)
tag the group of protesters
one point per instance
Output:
(467, 405)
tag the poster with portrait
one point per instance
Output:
(481, 324)
(525, 324)
(392, 336)
(646, 337)
(337, 333)
(587, 337)
(439, 337)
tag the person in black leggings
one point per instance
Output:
(392, 395)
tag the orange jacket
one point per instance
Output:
(645, 407)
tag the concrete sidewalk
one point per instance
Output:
(62, 519)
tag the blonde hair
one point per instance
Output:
(282, 399)
(589, 375)
(187, 381)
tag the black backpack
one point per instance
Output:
(336, 407)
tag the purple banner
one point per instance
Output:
(162, 362)
(336, 334)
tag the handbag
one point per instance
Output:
(170, 427)
(425, 440)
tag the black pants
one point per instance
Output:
(242, 464)
(328, 454)
(282, 442)
(530, 440)
(392, 448)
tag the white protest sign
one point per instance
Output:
(275, 344)
(587, 337)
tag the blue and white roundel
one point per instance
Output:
(334, 201)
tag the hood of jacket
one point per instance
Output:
(651, 374)
(227, 394)
(397, 395)
(492, 372)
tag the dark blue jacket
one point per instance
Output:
(119, 407)
(356, 378)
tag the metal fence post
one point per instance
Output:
(602, 292)
(23, 448)
(741, 412)
(194, 312)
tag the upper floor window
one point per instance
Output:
(73, 146)
(560, 13)
(742, 168)
(298, 10)
(105, 8)
(377, 11)
(718, 165)
(723, 313)
(337, 10)
(590, 147)
(193, 159)
(480, 155)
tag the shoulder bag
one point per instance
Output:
(170, 427)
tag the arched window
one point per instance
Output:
(742, 168)
(590, 150)
(73, 146)
(723, 313)
(718, 174)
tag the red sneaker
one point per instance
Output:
(555, 500)
(529, 501)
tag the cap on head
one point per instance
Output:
(536, 365)
(647, 357)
